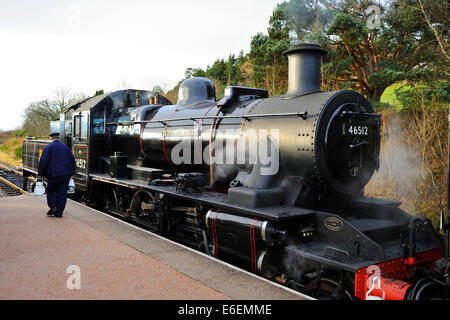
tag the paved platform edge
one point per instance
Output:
(232, 281)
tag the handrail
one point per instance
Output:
(303, 115)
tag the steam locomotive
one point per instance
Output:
(273, 185)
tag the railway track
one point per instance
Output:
(10, 183)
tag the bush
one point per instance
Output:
(18, 152)
(414, 155)
(381, 106)
(19, 133)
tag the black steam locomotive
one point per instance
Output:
(274, 185)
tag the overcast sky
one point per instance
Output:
(86, 45)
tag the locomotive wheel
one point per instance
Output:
(330, 289)
(425, 289)
(141, 204)
(112, 201)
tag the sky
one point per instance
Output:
(88, 45)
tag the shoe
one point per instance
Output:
(51, 212)
(57, 216)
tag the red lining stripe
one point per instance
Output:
(246, 112)
(253, 243)
(142, 132)
(198, 149)
(164, 142)
(216, 242)
(213, 234)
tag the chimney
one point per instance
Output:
(304, 69)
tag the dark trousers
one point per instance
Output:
(57, 193)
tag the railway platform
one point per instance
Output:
(90, 255)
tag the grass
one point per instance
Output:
(4, 135)
(18, 152)
(9, 160)
(11, 150)
(390, 95)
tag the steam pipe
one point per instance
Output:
(412, 238)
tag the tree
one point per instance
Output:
(409, 44)
(269, 66)
(158, 90)
(123, 85)
(38, 114)
(435, 14)
(194, 72)
(402, 49)
(222, 72)
(307, 19)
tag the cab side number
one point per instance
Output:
(80, 163)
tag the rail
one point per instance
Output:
(3, 167)
(11, 185)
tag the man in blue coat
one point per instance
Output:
(57, 164)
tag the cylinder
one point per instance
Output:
(254, 227)
(242, 239)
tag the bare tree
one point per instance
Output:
(158, 89)
(414, 157)
(427, 132)
(436, 8)
(123, 85)
(38, 114)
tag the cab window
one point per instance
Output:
(77, 127)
